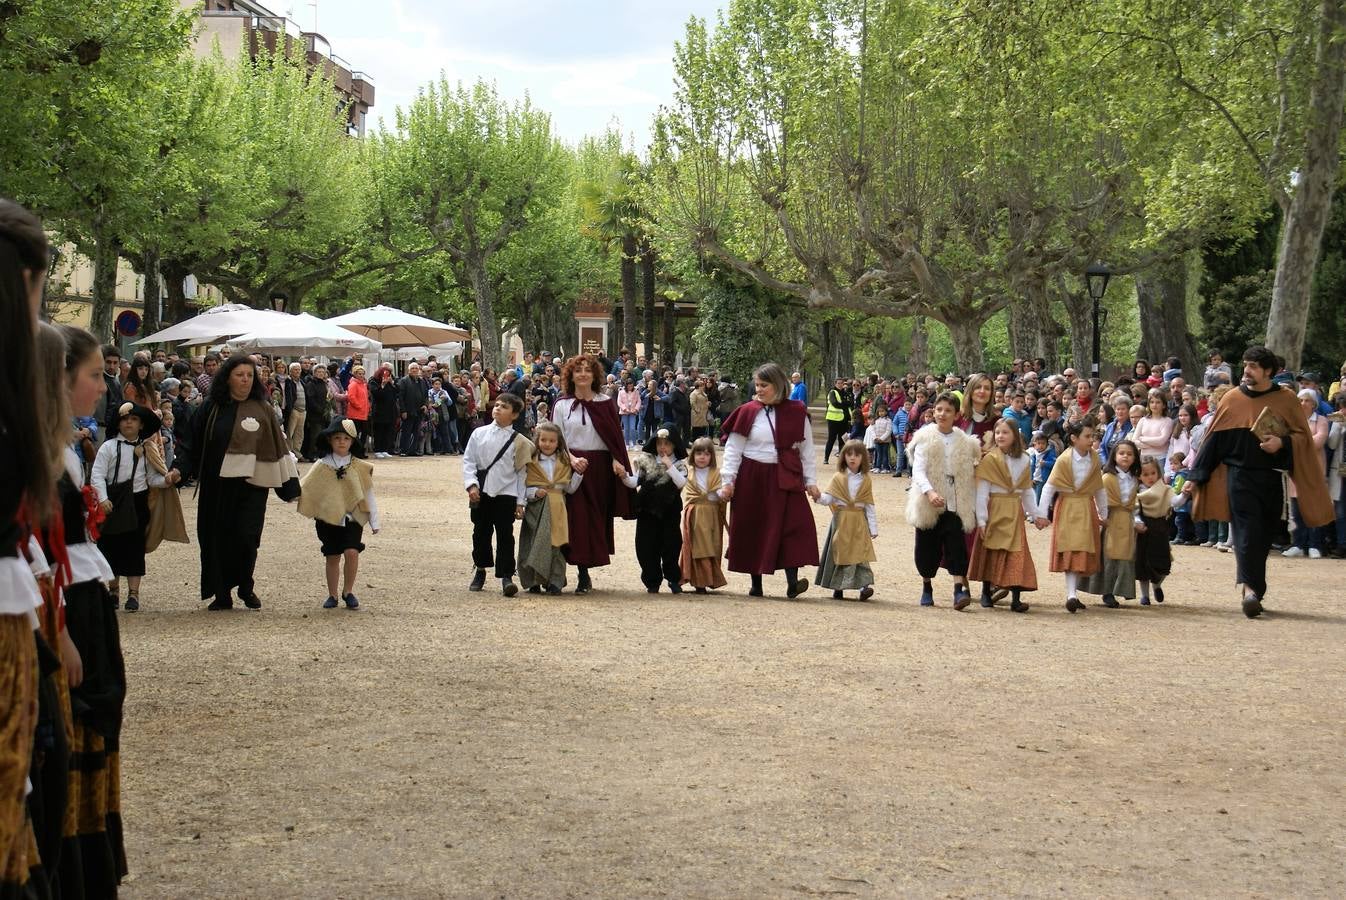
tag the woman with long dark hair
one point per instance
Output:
(27, 462)
(237, 452)
(592, 432)
(140, 387)
(769, 472)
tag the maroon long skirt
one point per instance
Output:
(589, 512)
(769, 528)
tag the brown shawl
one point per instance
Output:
(851, 543)
(536, 477)
(1238, 410)
(257, 448)
(1004, 510)
(1074, 519)
(703, 518)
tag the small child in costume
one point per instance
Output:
(849, 548)
(338, 494)
(942, 503)
(1081, 505)
(1117, 576)
(1154, 558)
(702, 521)
(1005, 496)
(122, 479)
(659, 476)
(548, 477)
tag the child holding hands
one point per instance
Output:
(702, 521)
(849, 547)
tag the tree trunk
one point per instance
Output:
(1302, 233)
(1080, 311)
(666, 350)
(149, 317)
(1033, 332)
(1162, 294)
(647, 292)
(487, 327)
(919, 361)
(104, 284)
(826, 351)
(968, 352)
(175, 304)
(528, 304)
(629, 312)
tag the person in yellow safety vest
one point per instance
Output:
(839, 402)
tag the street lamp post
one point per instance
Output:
(1097, 276)
(278, 300)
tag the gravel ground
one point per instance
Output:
(445, 743)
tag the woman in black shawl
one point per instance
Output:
(231, 508)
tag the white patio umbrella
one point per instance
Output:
(304, 333)
(395, 328)
(215, 324)
(439, 351)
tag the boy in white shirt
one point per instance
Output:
(493, 475)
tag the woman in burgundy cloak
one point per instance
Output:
(769, 471)
(593, 434)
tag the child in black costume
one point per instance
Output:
(660, 472)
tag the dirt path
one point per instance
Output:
(443, 743)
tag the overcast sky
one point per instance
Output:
(587, 62)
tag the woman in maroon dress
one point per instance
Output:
(593, 434)
(769, 471)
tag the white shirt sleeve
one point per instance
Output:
(102, 465)
(373, 508)
(872, 516)
(983, 502)
(469, 459)
(806, 452)
(630, 479)
(920, 480)
(733, 457)
(679, 477)
(1048, 495)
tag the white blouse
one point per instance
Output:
(19, 595)
(760, 446)
(1027, 497)
(107, 462)
(577, 426)
(87, 562)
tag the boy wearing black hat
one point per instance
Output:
(658, 476)
(338, 494)
(122, 479)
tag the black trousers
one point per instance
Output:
(1256, 499)
(658, 547)
(385, 437)
(836, 434)
(494, 516)
(942, 542)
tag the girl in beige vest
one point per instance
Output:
(849, 548)
(1078, 502)
(1116, 577)
(1005, 498)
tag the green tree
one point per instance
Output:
(465, 173)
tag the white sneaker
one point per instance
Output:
(1315, 554)
(1293, 553)
(1211, 543)
(1224, 546)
